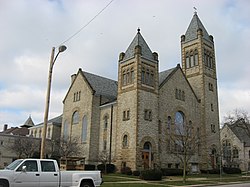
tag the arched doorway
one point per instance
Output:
(213, 158)
(147, 155)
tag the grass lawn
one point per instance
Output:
(118, 180)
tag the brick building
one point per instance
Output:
(132, 120)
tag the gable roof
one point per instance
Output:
(240, 131)
(194, 25)
(102, 86)
(166, 75)
(55, 121)
(145, 50)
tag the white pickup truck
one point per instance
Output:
(45, 173)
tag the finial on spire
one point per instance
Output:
(195, 10)
(138, 30)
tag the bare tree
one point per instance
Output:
(63, 148)
(239, 117)
(104, 158)
(184, 144)
(24, 147)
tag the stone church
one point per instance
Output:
(132, 121)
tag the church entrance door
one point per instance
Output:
(146, 155)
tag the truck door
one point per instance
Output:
(49, 177)
(27, 174)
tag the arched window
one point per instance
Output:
(179, 123)
(147, 146)
(124, 78)
(84, 129)
(191, 59)
(75, 117)
(125, 141)
(65, 130)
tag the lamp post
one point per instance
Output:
(46, 113)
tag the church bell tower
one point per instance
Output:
(199, 66)
(137, 106)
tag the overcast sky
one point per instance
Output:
(30, 28)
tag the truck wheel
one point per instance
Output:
(4, 183)
(85, 184)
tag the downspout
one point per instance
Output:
(110, 136)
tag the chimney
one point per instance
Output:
(5, 127)
(73, 77)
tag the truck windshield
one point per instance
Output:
(14, 164)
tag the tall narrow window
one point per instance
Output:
(196, 57)
(169, 122)
(191, 59)
(105, 145)
(65, 130)
(143, 76)
(132, 75)
(124, 79)
(187, 61)
(105, 122)
(84, 129)
(125, 141)
(75, 117)
(179, 123)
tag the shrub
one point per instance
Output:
(89, 167)
(151, 174)
(136, 173)
(126, 170)
(110, 168)
(211, 171)
(231, 170)
(171, 171)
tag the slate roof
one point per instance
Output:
(56, 121)
(164, 74)
(239, 129)
(102, 86)
(194, 25)
(145, 50)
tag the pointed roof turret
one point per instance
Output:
(194, 26)
(28, 123)
(138, 41)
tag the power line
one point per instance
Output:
(72, 36)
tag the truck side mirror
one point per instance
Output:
(24, 168)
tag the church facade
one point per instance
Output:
(140, 120)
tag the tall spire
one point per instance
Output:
(138, 41)
(193, 27)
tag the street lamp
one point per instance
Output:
(61, 48)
